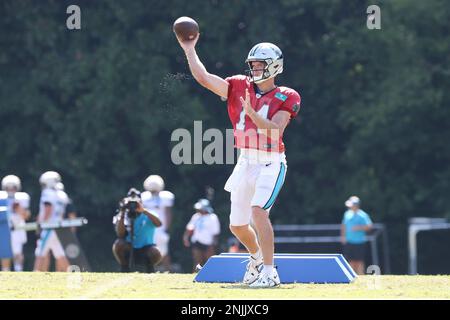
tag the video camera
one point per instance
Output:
(130, 203)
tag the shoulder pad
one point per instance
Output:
(166, 195)
(62, 194)
(146, 195)
(22, 196)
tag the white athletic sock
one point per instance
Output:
(18, 267)
(257, 256)
(267, 270)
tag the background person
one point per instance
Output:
(355, 225)
(260, 111)
(161, 201)
(202, 233)
(18, 212)
(133, 219)
(51, 209)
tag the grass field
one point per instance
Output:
(29, 285)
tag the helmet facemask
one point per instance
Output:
(269, 54)
(11, 190)
(265, 74)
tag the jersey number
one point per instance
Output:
(263, 112)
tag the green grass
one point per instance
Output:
(28, 285)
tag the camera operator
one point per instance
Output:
(135, 229)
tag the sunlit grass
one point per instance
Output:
(29, 285)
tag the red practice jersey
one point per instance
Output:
(246, 133)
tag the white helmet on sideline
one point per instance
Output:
(270, 54)
(50, 179)
(154, 183)
(11, 181)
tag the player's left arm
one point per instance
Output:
(22, 211)
(27, 215)
(278, 122)
(47, 212)
(25, 207)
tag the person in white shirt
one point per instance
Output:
(202, 233)
(52, 207)
(18, 212)
(158, 200)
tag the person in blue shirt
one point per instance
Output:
(135, 229)
(355, 225)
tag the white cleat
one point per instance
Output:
(266, 281)
(254, 268)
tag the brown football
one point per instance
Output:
(185, 28)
